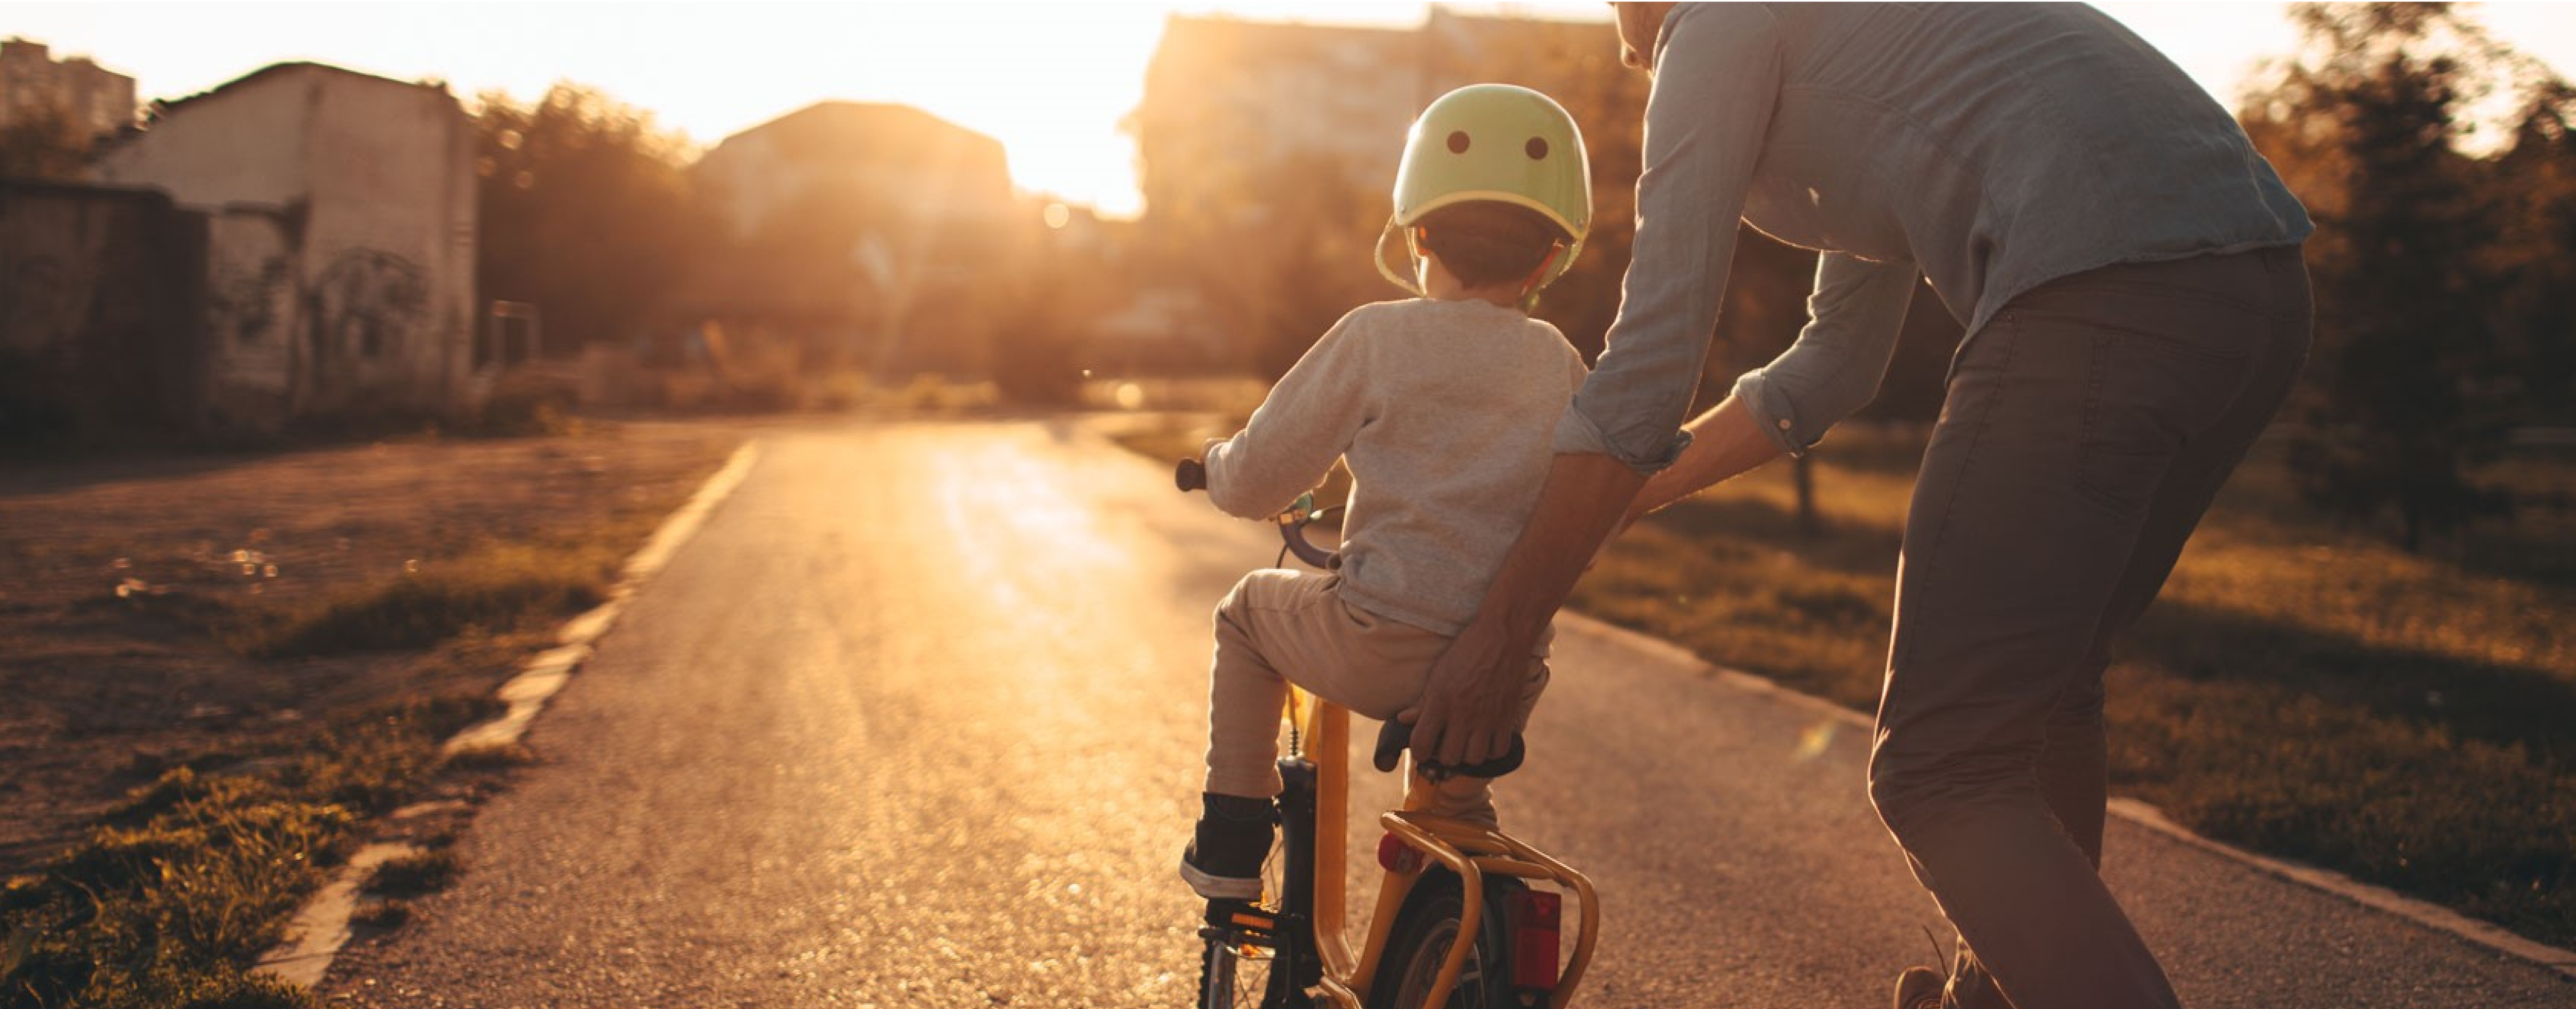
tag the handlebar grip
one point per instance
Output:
(1394, 736)
(1190, 475)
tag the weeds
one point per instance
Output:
(2300, 690)
(197, 872)
(418, 873)
(498, 588)
(492, 758)
(381, 915)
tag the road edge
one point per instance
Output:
(2144, 814)
(320, 928)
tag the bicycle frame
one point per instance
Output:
(1305, 927)
(1468, 851)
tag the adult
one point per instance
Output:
(2128, 270)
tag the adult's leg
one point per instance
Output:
(2072, 767)
(2067, 420)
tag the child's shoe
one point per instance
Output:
(1226, 850)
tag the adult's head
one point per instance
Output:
(1640, 25)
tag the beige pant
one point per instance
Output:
(1281, 627)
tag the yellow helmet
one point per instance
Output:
(1497, 143)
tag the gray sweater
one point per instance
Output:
(1989, 148)
(1444, 410)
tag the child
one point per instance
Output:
(1445, 406)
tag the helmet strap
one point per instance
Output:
(1410, 284)
(1540, 277)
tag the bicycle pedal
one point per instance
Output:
(1241, 916)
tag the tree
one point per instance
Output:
(2535, 253)
(2407, 383)
(586, 212)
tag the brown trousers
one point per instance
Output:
(2087, 428)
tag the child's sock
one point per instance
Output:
(1227, 847)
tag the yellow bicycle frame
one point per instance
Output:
(1467, 850)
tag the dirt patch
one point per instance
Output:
(134, 592)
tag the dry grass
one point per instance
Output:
(2304, 690)
(269, 648)
(194, 875)
(494, 588)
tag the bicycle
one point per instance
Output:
(1292, 950)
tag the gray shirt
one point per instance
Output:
(1988, 148)
(1444, 410)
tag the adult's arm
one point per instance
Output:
(1717, 79)
(1831, 370)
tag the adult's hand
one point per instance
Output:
(1473, 693)
(1470, 700)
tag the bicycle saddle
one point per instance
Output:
(1394, 736)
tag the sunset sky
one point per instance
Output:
(1049, 80)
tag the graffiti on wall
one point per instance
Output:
(368, 302)
(244, 302)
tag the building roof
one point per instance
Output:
(275, 70)
(873, 133)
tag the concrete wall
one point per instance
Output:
(242, 144)
(343, 227)
(100, 291)
(251, 319)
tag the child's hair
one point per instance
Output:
(1484, 243)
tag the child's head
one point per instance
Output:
(1495, 186)
(1486, 244)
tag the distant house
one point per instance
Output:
(894, 158)
(853, 216)
(340, 239)
(33, 82)
(1226, 96)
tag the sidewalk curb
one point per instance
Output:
(321, 926)
(2428, 915)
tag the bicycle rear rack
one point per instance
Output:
(1472, 852)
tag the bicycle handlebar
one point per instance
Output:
(1191, 475)
(1394, 736)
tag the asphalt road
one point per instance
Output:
(915, 720)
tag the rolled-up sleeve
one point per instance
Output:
(1717, 80)
(1839, 358)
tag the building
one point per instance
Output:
(32, 82)
(1225, 97)
(340, 239)
(853, 219)
(895, 160)
(100, 297)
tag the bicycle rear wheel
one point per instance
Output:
(1419, 944)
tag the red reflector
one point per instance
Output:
(1533, 916)
(1393, 855)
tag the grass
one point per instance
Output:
(418, 873)
(495, 588)
(169, 898)
(167, 901)
(2299, 689)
